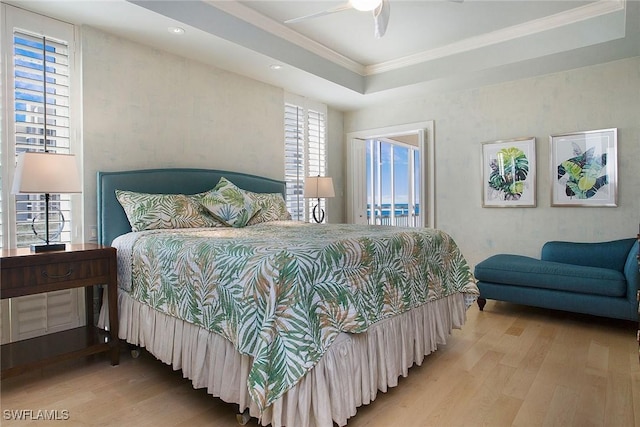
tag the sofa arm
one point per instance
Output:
(612, 255)
(632, 273)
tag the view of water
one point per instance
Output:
(401, 209)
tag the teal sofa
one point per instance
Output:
(601, 279)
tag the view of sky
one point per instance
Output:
(390, 159)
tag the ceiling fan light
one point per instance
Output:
(365, 5)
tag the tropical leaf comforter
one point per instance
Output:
(282, 291)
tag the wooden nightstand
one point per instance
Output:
(85, 265)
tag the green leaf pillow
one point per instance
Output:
(272, 207)
(229, 204)
(161, 211)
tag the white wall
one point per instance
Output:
(145, 108)
(335, 167)
(597, 97)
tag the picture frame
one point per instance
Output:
(584, 168)
(509, 173)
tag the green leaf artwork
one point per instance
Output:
(509, 171)
(583, 174)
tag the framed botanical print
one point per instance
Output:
(509, 173)
(584, 168)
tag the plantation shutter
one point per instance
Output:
(294, 160)
(38, 82)
(305, 152)
(41, 67)
(41, 314)
(317, 151)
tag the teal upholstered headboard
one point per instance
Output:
(112, 221)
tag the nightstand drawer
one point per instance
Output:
(44, 274)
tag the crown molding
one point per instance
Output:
(278, 29)
(578, 14)
(558, 20)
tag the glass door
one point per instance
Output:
(393, 182)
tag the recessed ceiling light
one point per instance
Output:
(176, 30)
(276, 67)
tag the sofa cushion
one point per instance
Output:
(520, 270)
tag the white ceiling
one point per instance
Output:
(430, 45)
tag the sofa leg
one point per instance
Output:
(481, 303)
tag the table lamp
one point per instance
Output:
(46, 173)
(318, 187)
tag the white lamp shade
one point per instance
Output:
(318, 187)
(46, 173)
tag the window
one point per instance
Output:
(37, 115)
(40, 63)
(41, 113)
(305, 152)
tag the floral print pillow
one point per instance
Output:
(161, 211)
(272, 207)
(229, 204)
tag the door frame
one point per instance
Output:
(356, 199)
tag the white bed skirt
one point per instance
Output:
(349, 374)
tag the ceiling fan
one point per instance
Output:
(379, 8)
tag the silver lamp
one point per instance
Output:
(38, 173)
(318, 187)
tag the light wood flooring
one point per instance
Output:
(509, 365)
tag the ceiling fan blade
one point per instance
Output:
(381, 18)
(340, 8)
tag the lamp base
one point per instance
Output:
(48, 247)
(318, 213)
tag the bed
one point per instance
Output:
(299, 324)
